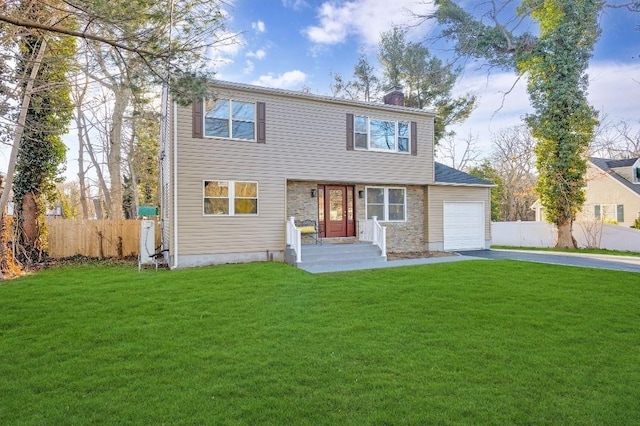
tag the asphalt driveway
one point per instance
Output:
(620, 263)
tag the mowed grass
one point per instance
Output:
(482, 342)
(572, 250)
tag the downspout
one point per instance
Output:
(175, 185)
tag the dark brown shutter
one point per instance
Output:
(262, 122)
(414, 138)
(349, 132)
(196, 118)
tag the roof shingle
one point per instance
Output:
(446, 174)
(607, 166)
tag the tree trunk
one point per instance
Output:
(17, 137)
(81, 175)
(565, 239)
(8, 262)
(102, 184)
(115, 152)
(29, 219)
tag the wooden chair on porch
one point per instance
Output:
(309, 227)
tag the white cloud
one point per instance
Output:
(295, 4)
(613, 89)
(288, 80)
(258, 54)
(364, 18)
(258, 26)
(227, 46)
(249, 68)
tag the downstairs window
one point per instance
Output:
(230, 198)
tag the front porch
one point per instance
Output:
(368, 248)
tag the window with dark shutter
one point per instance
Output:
(620, 211)
(196, 119)
(414, 138)
(349, 132)
(261, 122)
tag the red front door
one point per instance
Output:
(338, 211)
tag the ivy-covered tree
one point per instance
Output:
(41, 150)
(555, 63)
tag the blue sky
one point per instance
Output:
(296, 44)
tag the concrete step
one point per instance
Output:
(319, 256)
(337, 248)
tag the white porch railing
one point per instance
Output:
(294, 239)
(371, 230)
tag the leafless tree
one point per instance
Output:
(616, 139)
(459, 153)
(514, 161)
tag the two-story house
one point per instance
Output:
(237, 168)
(612, 192)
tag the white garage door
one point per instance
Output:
(463, 226)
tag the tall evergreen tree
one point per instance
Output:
(425, 79)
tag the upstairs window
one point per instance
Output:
(225, 118)
(636, 172)
(381, 135)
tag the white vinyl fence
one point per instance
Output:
(542, 234)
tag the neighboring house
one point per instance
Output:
(612, 189)
(236, 169)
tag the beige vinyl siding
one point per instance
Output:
(603, 189)
(305, 140)
(625, 172)
(200, 159)
(438, 195)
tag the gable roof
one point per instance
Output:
(449, 175)
(607, 166)
(222, 84)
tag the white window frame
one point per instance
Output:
(635, 172)
(386, 203)
(610, 207)
(230, 119)
(232, 196)
(368, 133)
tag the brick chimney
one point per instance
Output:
(394, 96)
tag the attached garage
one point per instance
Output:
(464, 225)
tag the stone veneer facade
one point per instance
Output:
(401, 236)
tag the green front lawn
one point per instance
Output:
(482, 342)
(572, 250)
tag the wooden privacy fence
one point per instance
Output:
(95, 238)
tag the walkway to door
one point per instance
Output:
(619, 263)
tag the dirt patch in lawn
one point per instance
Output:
(417, 255)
